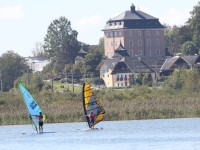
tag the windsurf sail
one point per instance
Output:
(32, 106)
(92, 103)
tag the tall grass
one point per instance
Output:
(138, 102)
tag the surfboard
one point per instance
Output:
(90, 129)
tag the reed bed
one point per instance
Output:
(127, 104)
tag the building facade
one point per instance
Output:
(36, 63)
(140, 33)
(133, 43)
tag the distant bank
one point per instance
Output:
(129, 104)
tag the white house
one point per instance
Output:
(36, 63)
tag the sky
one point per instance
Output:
(23, 23)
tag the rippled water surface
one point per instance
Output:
(164, 134)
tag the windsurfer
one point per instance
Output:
(40, 117)
(91, 119)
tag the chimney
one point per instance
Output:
(132, 8)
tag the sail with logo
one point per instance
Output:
(92, 104)
(32, 106)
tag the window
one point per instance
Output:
(125, 78)
(107, 35)
(148, 33)
(120, 33)
(115, 33)
(130, 33)
(148, 52)
(111, 34)
(139, 33)
(117, 78)
(130, 42)
(158, 52)
(139, 42)
(148, 42)
(107, 44)
(157, 42)
(121, 78)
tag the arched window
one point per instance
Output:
(125, 78)
(121, 78)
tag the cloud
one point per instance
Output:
(175, 17)
(11, 12)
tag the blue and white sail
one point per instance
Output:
(32, 106)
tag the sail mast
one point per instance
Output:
(92, 103)
(31, 105)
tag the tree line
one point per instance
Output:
(61, 46)
(185, 39)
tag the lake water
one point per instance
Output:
(163, 134)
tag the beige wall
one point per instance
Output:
(111, 80)
(105, 74)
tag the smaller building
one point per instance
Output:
(81, 55)
(179, 62)
(36, 63)
(116, 71)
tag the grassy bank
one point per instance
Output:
(135, 103)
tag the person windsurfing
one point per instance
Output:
(40, 121)
(36, 114)
(40, 117)
(91, 116)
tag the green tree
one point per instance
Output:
(60, 43)
(184, 34)
(194, 23)
(36, 83)
(139, 78)
(87, 67)
(189, 48)
(132, 79)
(94, 56)
(172, 39)
(175, 81)
(191, 80)
(12, 66)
